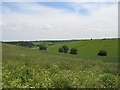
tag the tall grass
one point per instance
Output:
(28, 68)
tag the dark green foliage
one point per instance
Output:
(61, 49)
(22, 43)
(102, 53)
(26, 44)
(42, 47)
(73, 51)
(64, 49)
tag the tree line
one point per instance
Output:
(65, 49)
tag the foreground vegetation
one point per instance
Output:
(31, 68)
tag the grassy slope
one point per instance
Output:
(90, 47)
(24, 68)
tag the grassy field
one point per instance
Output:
(90, 47)
(32, 68)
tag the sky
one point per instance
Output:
(58, 20)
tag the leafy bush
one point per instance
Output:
(64, 49)
(73, 51)
(61, 49)
(102, 53)
(42, 47)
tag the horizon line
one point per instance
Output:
(60, 39)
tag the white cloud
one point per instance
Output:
(2, 24)
(42, 22)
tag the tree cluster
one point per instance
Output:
(22, 43)
(42, 47)
(65, 49)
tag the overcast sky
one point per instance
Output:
(59, 20)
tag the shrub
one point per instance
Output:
(64, 49)
(73, 51)
(61, 49)
(42, 47)
(102, 53)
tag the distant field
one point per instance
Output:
(88, 48)
(31, 68)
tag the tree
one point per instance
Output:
(73, 51)
(65, 48)
(102, 53)
(42, 47)
(61, 49)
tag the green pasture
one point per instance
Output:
(90, 47)
(24, 67)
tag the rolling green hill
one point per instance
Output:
(31, 68)
(90, 47)
(87, 49)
